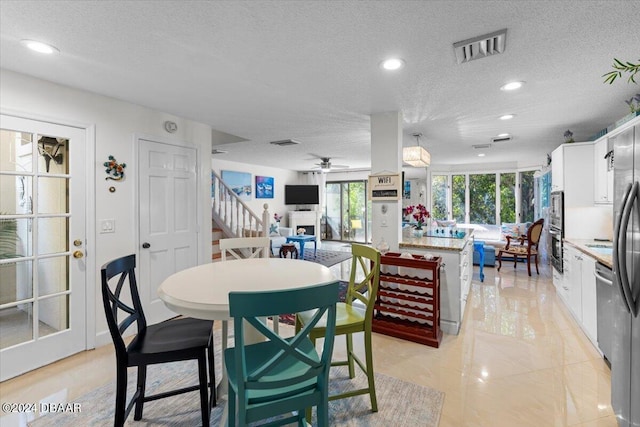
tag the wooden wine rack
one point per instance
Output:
(395, 312)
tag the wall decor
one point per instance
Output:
(385, 186)
(115, 169)
(406, 194)
(264, 187)
(239, 182)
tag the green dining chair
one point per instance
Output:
(352, 319)
(281, 377)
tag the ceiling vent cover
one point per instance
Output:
(481, 46)
(285, 142)
(481, 146)
(502, 138)
(216, 151)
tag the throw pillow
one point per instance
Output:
(274, 229)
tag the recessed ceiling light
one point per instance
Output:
(40, 47)
(481, 155)
(507, 117)
(392, 64)
(503, 135)
(512, 86)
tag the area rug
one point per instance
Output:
(400, 403)
(326, 258)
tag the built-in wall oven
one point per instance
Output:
(556, 228)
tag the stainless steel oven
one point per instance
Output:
(556, 210)
(555, 237)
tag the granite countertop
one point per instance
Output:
(581, 245)
(441, 243)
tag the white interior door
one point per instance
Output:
(168, 219)
(42, 240)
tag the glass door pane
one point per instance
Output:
(482, 198)
(356, 211)
(333, 217)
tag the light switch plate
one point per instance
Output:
(107, 226)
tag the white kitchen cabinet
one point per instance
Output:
(557, 169)
(589, 303)
(603, 184)
(578, 290)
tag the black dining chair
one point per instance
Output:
(169, 341)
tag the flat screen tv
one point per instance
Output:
(301, 195)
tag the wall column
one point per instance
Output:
(386, 157)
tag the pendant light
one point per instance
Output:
(416, 156)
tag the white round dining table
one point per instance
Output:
(202, 292)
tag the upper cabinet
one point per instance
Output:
(557, 169)
(603, 183)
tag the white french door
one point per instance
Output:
(42, 243)
(168, 219)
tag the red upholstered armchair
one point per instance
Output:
(525, 246)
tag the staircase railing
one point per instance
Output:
(232, 215)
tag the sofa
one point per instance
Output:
(278, 235)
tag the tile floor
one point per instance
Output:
(519, 360)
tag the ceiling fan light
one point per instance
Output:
(416, 156)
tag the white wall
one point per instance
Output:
(115, 123)
(281, 177)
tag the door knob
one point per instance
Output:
(78, 254)
(146, 245)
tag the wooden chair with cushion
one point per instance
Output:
(351, 318)
(526, 246)
(282, 374)
(170, 341)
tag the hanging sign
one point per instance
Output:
(386, 186)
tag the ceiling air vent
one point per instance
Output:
(480, 47)
(501, 138)
(481, 146)
(284, 142)
(216, 151)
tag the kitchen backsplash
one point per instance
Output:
(589, 222)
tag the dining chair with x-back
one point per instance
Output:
(278, 379)
(353, 316)
(169, 341)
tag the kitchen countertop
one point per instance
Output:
(581, 245)
(439, 243)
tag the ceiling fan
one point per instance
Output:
(325, 164)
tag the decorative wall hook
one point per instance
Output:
(115, 169)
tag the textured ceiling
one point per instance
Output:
(308, 70)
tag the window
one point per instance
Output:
(439, 195)
(507, 197)
(458, 195)
(527, 197)
(482, 198)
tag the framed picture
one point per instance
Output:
(264, 187)
(239, 182)
(386, 186)
(407, 190)
(213, 185)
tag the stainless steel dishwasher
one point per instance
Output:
(604, 294)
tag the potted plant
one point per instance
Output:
(8, 238)
(419, 213)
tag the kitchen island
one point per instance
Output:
(455, 274)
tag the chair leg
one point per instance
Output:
(529, 265)
(121, 395)
(322, 413)
(368, 348)
(231, 405)
(212, 376)
(352, 371)
(515, 261)
(225, 335)
(204, 395)
(499, 260)
(142, 380)
(537, 271)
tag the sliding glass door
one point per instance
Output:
(347, 216)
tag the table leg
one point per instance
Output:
(301, 249)
(315, 247)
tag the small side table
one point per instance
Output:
(479, 247)
(288, 248)
(301, 239)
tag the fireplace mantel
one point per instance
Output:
(305, 219)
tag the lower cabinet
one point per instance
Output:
(578, 290)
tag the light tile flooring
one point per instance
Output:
(519, 360)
